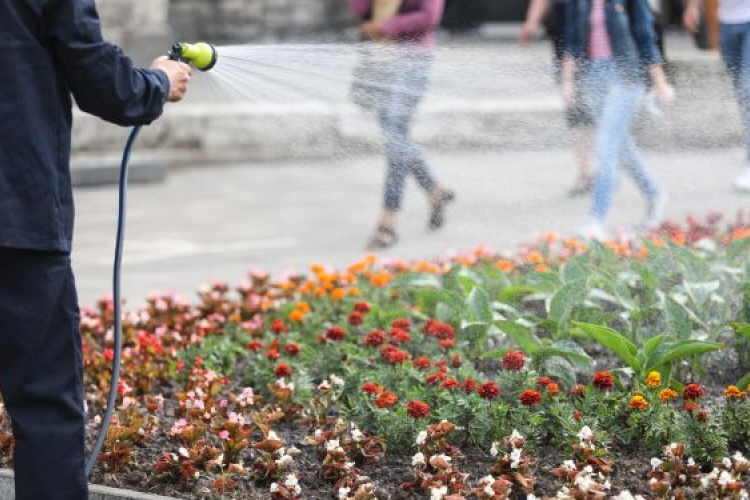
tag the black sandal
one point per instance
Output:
(384, 237)
(437, 214)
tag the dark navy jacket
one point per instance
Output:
(48, 50)
(630, 24)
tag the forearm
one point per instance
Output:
(414, 23)
(536, 12)
(658, 77)
(692, 4)
(568, 70)
(361, 8)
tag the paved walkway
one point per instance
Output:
(217, 223)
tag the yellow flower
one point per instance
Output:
(667, 395)
(734, 392)
(653, 380)
(638, 402)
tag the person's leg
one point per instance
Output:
(41, 374)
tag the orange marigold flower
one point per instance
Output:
(530, 398)
(553, 390)
(578, 391)
(488, 390)
(375, 338)
(514, 360)
(667, 395)
(296, 316)
(692, 391)
(504, 265)
(283, 370)
(303, 307)
(386, 399)
(653, 380)
(638, 402)
(417, 409)
(604, 381)
(371, 388)
(733, 392)
(338, 294)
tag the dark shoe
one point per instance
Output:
(584, 184)
(437, 214)
(384, 237)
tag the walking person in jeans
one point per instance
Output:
(48, 50)
(614, 43)
(734, 39)
(392, 82)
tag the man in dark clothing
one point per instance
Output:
(48, 50)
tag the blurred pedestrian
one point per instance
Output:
(734, 40)
(50, 50)
(614, 44)
(578, 116)
(392, 80)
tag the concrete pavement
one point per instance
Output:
(217, 223)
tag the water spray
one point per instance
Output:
(202, 56)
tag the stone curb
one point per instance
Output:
(96, 492)
(99, 171)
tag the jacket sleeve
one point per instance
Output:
(423, 20)
(644, 34)
(361, 8)
(102, 78)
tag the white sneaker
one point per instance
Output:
(742, 181)
(657, 206)
(593, 230)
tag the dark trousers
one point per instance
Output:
(41, 374)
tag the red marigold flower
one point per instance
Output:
(439, 330)
(278, 327)
(335, 333)
(292, 348)
(422, 363)
(451, 383)
(514, 360)
(553, 389)
(530, 398)
(371, 388)
(283, 370)
(578, 391)
(577, 415)
(272, 354)
(402, 323)
(417, 409)
(702, 415)
(690, 407)
(362, 307)
(447, 344)
(394, 355)
(254, 346)
(441, 364)
(356, 318)
(375, 338)
(692, 391)
(400, 336)
(543, 381)
(604, 381)
(456, 361)
(488, 390)
(435, 378)
(470, 385)
(386, 399)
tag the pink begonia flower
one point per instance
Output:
(224, 435)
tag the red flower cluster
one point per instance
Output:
(394, 355)
(422, 363)
(335, 333)
(441, 331)
(402, 323)
(400, 336)
(451, 383)
(470, 385)
(447, 344)
(530, 398)
(604, 381)
(254, 346)
(514, 360)
(292, 348)
(371, 388)
(362, 307)
(356, 318)
(543, 381)
(488, 390)
(417, 409)
(278, 327)
(375, 338)
(283, 370)
(692, 391)
(386, 399)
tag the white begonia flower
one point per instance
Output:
(183, 452)
(357, 434)
(563, 494)
(690, 462)
(349, 465)
(487, 479)
(274, 487)
(515, 435)
(655, 463)
(273, 436)
(495, 449)
(570, 465)
(324, 386)
(344, 492)
(336, 380)
(607, 485)
(291, 481)
(421, 438)
(438, 493)
(588, 470)
(682, 478)
(586, 434)
(584, 482)
(724, 479)
(726, 462)
(515, 457)
(332, 444)
(488, 490)
(739, 458)
(744, 495)
(418, 459)
(285, 462)
(705, 481)
(531, 496)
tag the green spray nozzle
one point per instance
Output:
(201, 55)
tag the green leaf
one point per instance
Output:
(521, 335)
(569, 350)
(561, 369)
(678, 319)
(417, 281)
(575, 269)
(615, 342)
(514, 294)
(742, 329)
(566, 299)
(479, 305)
(496, 353)
(744, 382)
(680, 349)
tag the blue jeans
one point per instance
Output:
(410, 79)
(615, 102)
(735, 51)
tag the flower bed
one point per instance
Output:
(566, 370)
